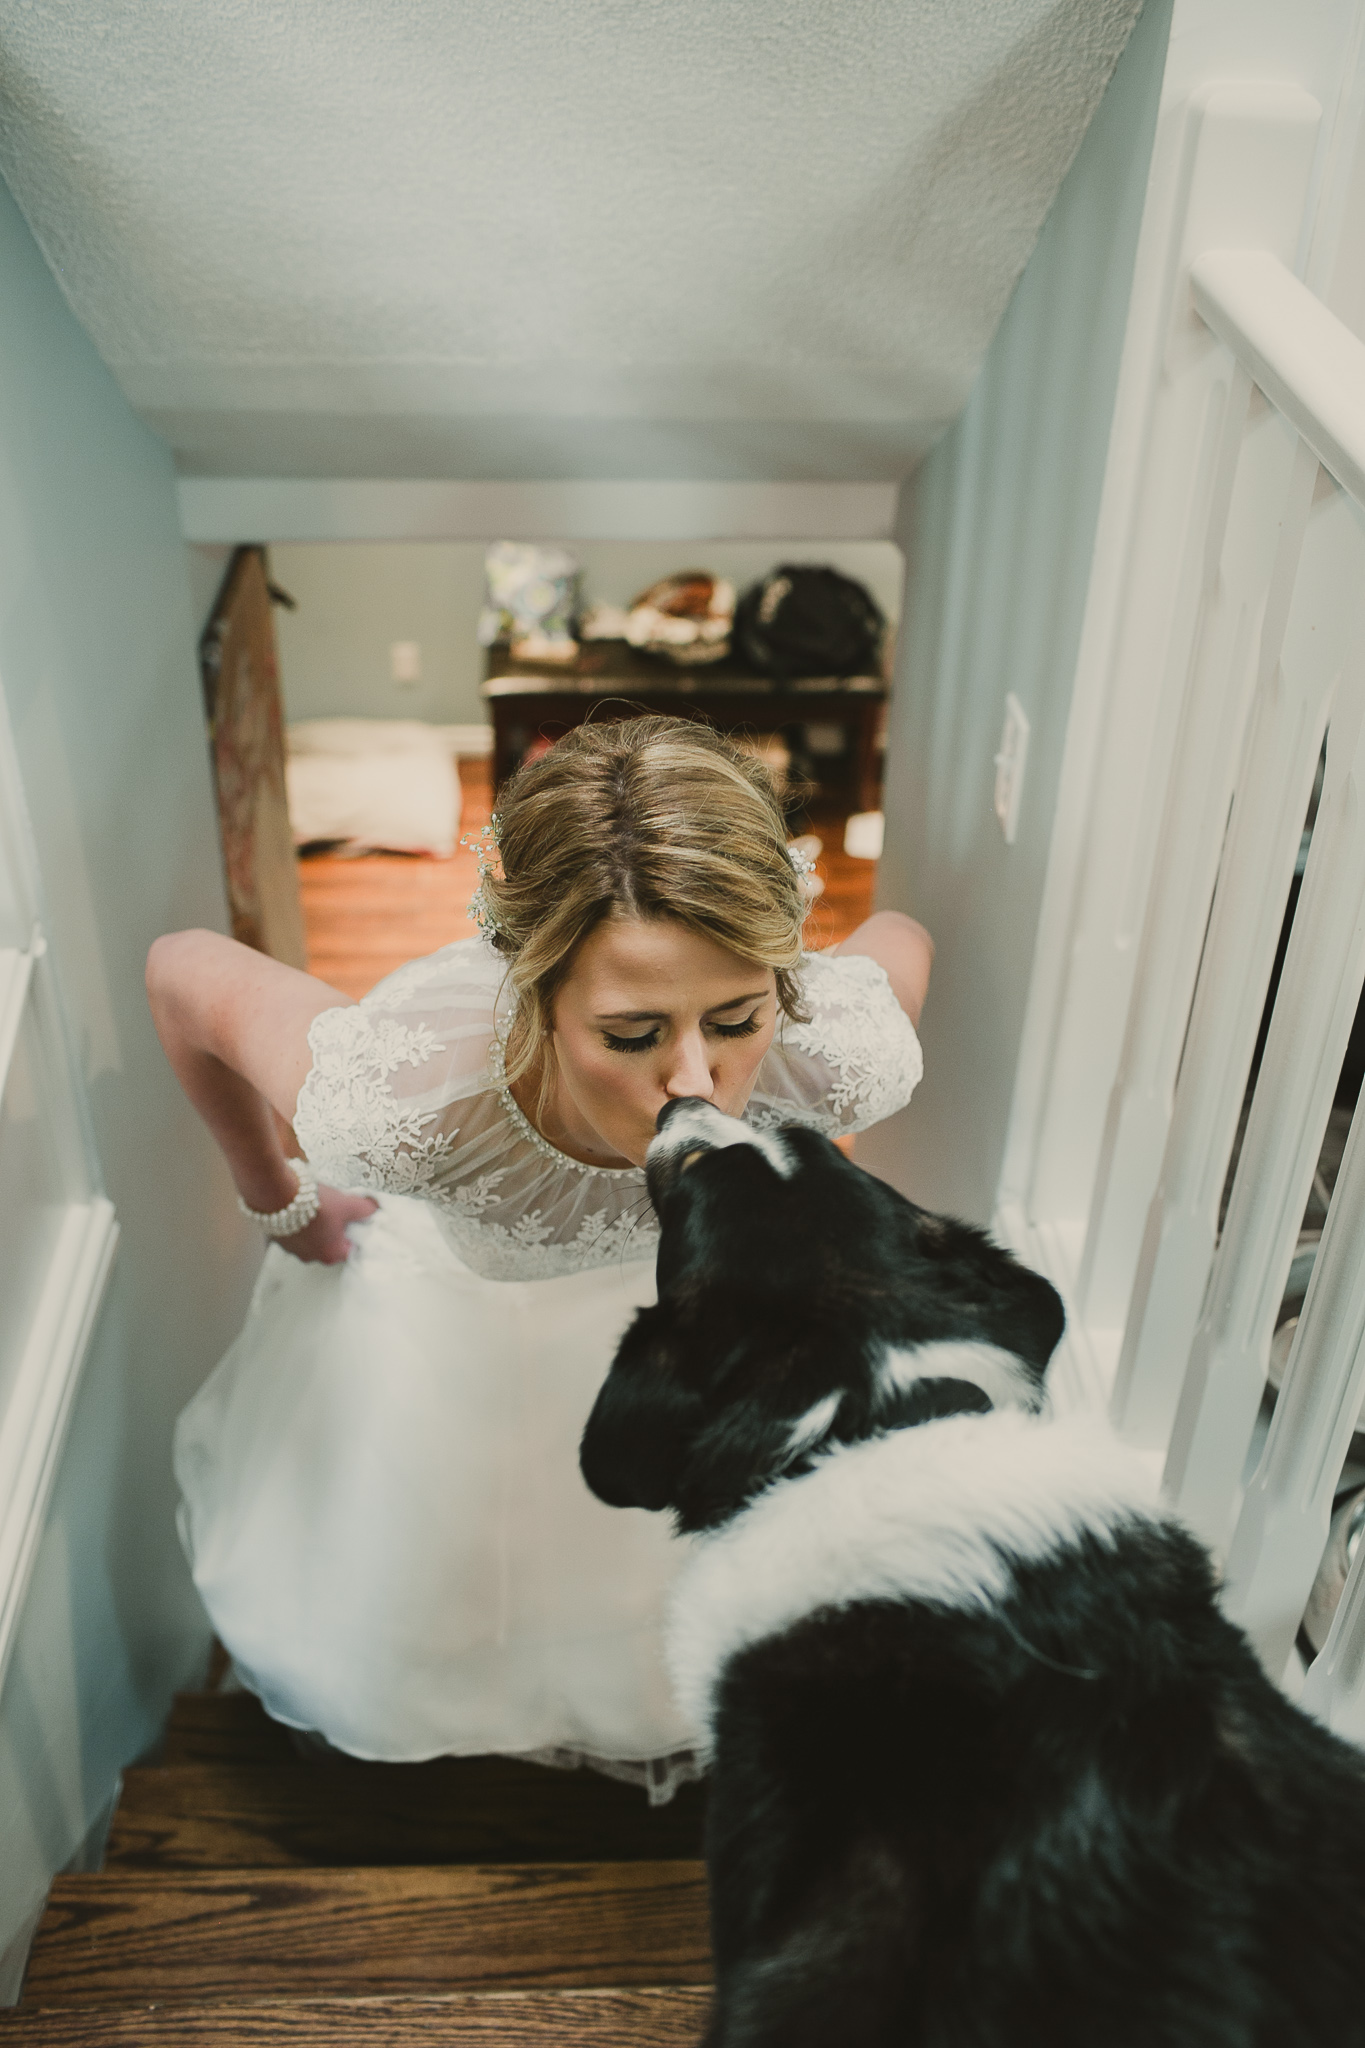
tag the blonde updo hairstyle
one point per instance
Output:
(649, 817)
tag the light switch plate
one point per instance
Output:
(1009, 767)
(405, 661)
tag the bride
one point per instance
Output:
(381, 1498)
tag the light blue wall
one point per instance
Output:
(998, 527)
(355, 599)
(97, 661)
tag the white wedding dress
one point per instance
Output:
(382, 1504)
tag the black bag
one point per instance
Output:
(804, 621)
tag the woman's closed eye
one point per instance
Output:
(644, 1043)
(746, 1029)
(647, 1040)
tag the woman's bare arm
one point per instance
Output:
(234, 1025)
(903, 948)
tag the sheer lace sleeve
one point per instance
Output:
(407, 1096)
(855, 1062)
(396, 1078)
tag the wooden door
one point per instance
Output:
(242, 697)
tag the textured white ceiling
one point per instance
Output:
(545, 238)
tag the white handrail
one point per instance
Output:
(1306, 361)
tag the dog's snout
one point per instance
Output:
(673, 1107)
(675, 1146)
(691, 1126)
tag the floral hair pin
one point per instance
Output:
(485, 844)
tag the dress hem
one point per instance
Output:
(659, 1774)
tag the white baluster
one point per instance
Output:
(1313, 1013)
(1246, 554)
(1283, 742)
(1282, 1530)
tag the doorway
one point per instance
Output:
(378, 649)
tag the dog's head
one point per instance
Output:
(802, 1304)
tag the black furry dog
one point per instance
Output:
(989, 1767)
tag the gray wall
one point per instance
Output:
(998, 527)
(96, 655)
(356, 599)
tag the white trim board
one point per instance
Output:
(44, 1369)
(230, 509)
(39, 1407)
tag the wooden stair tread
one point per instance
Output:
(511, 2019)
(128, 1936)
(226, 1728)
(456, 1810)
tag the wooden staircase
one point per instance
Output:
(252, 1896)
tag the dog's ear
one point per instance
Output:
(642, 1425)
(1040, 1319)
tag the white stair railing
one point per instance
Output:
(1221, 663)
(1257, 867)
(1311, 667)
(1319, 990)
(1282, 1530)
(1252, 557)
(1197, 1334)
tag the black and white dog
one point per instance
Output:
(989, 1767)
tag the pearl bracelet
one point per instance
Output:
(300, 1212)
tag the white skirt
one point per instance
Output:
(383, 1511)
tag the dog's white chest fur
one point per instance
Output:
(935, 1513)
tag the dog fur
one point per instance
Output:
(989, 1767)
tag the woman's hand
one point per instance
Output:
(324, 1242)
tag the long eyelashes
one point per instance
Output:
(649, 1039)
(744, 1030)
(644, 1044)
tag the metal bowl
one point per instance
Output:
(1343, 1540)
(1291, 1307)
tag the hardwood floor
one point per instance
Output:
(366, 916)
(222, 1937)
(252, 1893)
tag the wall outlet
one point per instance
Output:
(1009, 767)
(405, 662)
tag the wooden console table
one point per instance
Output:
(609, 679)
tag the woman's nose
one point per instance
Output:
(690, 1073)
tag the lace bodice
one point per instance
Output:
(406, 1096)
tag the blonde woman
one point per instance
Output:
(382, 1503)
